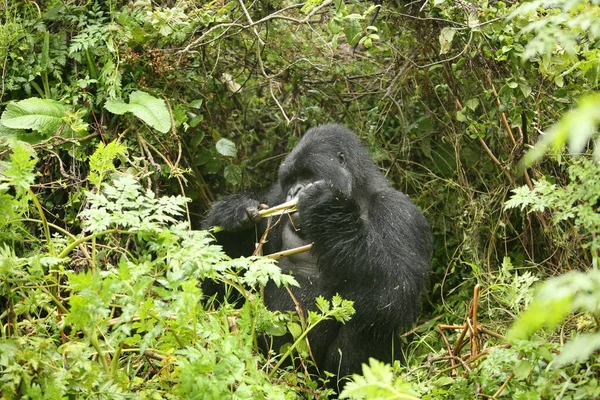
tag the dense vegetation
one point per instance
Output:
(123, 120)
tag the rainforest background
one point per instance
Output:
(123, 120)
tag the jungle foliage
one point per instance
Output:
(123, 120)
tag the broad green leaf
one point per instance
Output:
(202, 157)
(212, 165)
(554, 299)
(522, 369)
(295, 329)
(233, 174)
(226, 148)
(146, 107)
(525, 89)
(196, 103)
(472, 103)
(460, 116)
(8, 349)
(41, 115)
(445, 38)
(194, 121)
(352, 31)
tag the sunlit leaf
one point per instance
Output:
(226, 148)
(41, 115)
(146, 107)
(445, 38)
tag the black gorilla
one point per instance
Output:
(371, 245)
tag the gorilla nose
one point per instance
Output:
(294, 191)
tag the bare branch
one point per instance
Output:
(290, 252)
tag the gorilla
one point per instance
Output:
(371, 245)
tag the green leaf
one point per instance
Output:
(445, 38)
(41, 115)
(233, 174)
(20, 169)
(525, 89)
(541, 312)
(146, 107)
(577, 127)
(226, 148)
(579, 349)
(352, 31)
(310, 4)
(443, 381)
(377, 382)
(295, 329)
(472, 103)
(196, 103)
(212, 165)
(522, 369)
(101, 160)
(554, 299)
(194, 121)
(8, 349)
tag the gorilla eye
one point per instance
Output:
(303, 175)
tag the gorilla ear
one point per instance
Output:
(342, 158)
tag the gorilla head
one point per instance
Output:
(370, 244)
(329, 153)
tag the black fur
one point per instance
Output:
(371, 245)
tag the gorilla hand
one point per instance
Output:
(234, 213)
(321, 206)
(314, 194)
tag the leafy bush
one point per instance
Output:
(118, 309)
(99, 286)
(575, 206)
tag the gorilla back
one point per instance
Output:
(371, 244)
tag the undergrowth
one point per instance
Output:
(123, 120)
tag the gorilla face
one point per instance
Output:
(310, 163)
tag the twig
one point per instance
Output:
(283, 208)
(501, 388)
(290, 252)
(474, 308)
(251, 24)
(448, 347)
(263, 238)
(502, 113)
(276, 15)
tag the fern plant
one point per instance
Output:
(576, 203)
